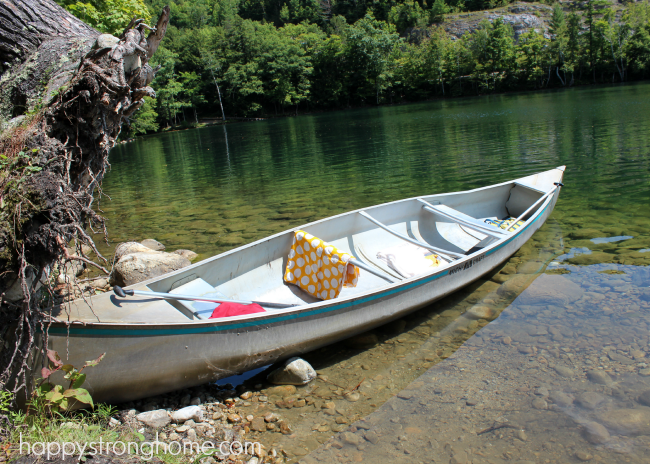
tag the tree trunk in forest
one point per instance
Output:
(65, 91)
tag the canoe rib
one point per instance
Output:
(449, 255)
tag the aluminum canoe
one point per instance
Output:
(154, 346)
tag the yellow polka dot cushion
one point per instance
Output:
(319, 268)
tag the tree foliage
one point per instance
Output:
(274, 57)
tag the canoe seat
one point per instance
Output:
(462, 218)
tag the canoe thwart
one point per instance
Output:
(449, 255)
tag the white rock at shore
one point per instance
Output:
(189, 413)
(136, 262)
(296, 371)
(154, 419)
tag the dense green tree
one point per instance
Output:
(144, 120)
(110, 16)
(369, 46)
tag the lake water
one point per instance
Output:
(557, 370)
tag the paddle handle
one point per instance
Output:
(119, 291)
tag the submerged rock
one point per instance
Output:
(627, 421)
(154, 419)
(153, 244)
(128, 248)
(296, 371)
(595, 433)
(190, 255)
(599, 377)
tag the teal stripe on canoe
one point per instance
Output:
(74, 330)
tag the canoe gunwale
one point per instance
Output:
(308, 309)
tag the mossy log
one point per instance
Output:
(65, 91)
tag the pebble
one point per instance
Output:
(564, 371)
(595, 433)
(541, 391)
(188, 413)
(352, 397)
(271, 417)
(351, 438)
(589, 400)
(539, 403)
(561, 398)
(521, 435)
(246, 395)
(258, 424)
(599, 377)
(583, 456)
(154, 419)
(233, 418)
(191, 435)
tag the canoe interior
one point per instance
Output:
(255, 271)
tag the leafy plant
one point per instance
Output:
(54, 398)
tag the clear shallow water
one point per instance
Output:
(192, 190)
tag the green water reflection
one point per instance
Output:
(210, 190)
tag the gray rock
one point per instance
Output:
(595, 433)
(614, 356)
(137, 267)
(99, 283)
(563, 371)
(295, 371)
(561, 398)
(627, 421)
(196, 401)
(481, 312)
(514, 286)
(351, 438)
(155, 245)
(191, 435)
(590, 400)
(541, 391)
(644, 398)
(127, 248)
(539, 403)
(154, 419)
(188, 254)
(188, 413)
(106, 41)
(599, 377)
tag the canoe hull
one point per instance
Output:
(144, 360)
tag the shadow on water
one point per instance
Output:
(561, 376)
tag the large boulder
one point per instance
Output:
(295, 371)
(551, 290)
(139, 266)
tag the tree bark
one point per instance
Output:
(65, 92)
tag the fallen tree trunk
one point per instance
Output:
(65, 91)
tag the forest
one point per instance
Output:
(252, 58)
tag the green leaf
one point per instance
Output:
(95, 361)
(54, 397)
(67, 367)
(139, 436)
(79, 381)
(79, 394)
